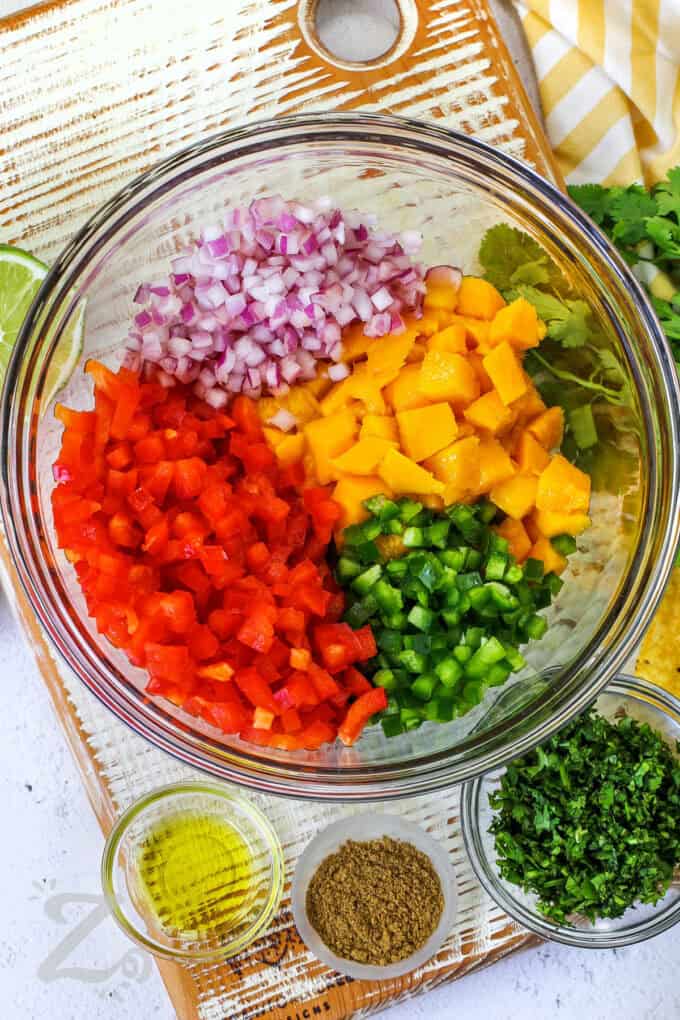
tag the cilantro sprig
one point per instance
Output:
(590, 821)
(645, 227)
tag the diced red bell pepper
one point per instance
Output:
(255, 689)
(358, 714)
(208, 566)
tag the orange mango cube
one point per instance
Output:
(515, 496)
(446, 376)
(553, 562)
(548, 428)
(554, 522)
(364, 457)
(478, 298)
(404, 477)
(532, 458)
(490, 413)
(403, 394)
(425, 430)
(451, 339)
(506, 373)
(495, 465)
(563, 487)
(516, 536)
(519, 324)
(458, 467)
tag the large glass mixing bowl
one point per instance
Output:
(451, 188)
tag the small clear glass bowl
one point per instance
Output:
(129, 900)
(625, 695)
(361, 828)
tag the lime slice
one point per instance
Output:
(20, 276)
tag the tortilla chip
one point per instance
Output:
(659, 658)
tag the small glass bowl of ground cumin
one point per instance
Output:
(374, 896)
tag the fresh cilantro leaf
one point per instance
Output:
(532, 273)
(666, 235)
(505, 252)
(629, 208)
(574, 330)
(593, 199)
(667, 194)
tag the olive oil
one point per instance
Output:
(195, 871)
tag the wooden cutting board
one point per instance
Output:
(92, 93)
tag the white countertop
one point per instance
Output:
(62, 958)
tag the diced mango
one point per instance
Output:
(490, 413)
(351, 491)
(516, 536)
(404, 476)
(290, 449)
(364, 385)
(506, 373)
(320, 385)
(458, 467)
(465, 429)
(267, 407)
(529, 405)
(433, 502)
(510, 440)
(355, 343)
(553, 562)
(476, 330)
(440, 296)
(425, 430)
(363, 458)
(554, 522)
(382, 425)
(425, 326)
(519, 324)
(548, 428)
(389, 354)
(301, 403)
(273, 436)
(417, 353)
(532, 458)
(446, 376)
(477, 361)
(478, 298)
(532, 528)
(495, 465)
(516, 496)
(328, 438)
(451, 339)
(563, 487)
(403, 394)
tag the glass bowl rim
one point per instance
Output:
(379, 781)
(270, 841)
(628, 686)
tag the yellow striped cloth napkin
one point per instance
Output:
(609, 78)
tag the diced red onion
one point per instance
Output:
(338, 372)
(267, 293)
(283, 420)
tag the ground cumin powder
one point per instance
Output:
(375, 902)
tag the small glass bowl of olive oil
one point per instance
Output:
(193, 871)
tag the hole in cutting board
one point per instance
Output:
(357, 30)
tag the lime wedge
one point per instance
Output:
(20, 276)
(67, 355)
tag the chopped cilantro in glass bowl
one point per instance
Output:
(628, 697)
